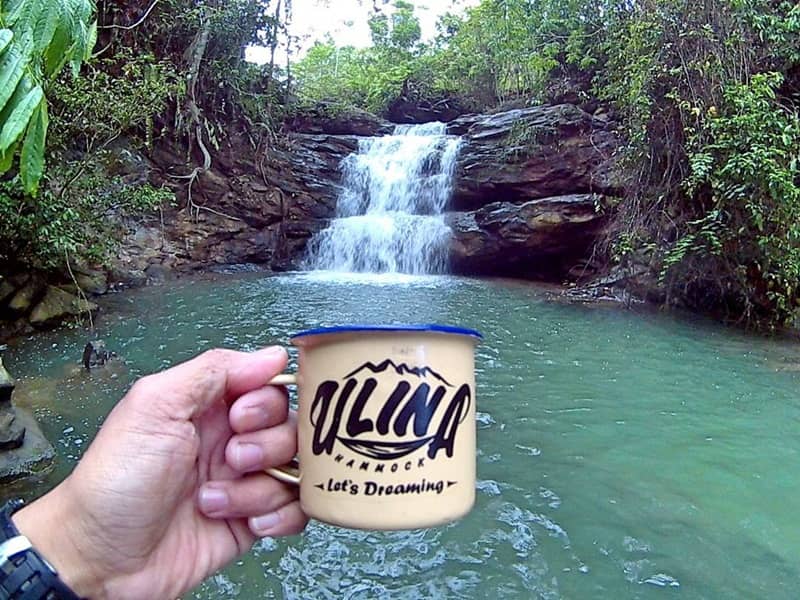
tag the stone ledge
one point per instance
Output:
(34, 456)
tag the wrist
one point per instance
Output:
(51, 523)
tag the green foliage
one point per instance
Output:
(712, 151)
(499, 51)
(120, 94)
(78, 221)
(135, 88)
(37, 38)
(368, 78)
(748, 166)
(401, 32)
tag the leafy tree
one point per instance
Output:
(37, 39)
(401, 32)
(367, 78)
(711, 158)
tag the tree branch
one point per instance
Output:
(135, 25)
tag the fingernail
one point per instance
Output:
(265, 523)
(248, 456)
(257, 412)
(271, 350)
(213, 500)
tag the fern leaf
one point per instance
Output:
(10, 7)
(5, 38)
(45, 28)
(12, 68)
(31, 162)
(7, 158)
(57, 54)
(24, 86)
(19, 118)
(91, 41)
(23, 18)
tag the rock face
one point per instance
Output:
(252, 206)
(35, 455)
(56, 304)
(12, 433)
(539, 239)
(255, 206)
(526, 185)
(531, 153)
(27, 301)
(23, 448)
(410, 109)
(326, 118)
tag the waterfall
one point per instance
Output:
(389, 216)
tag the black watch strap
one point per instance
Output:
(24, 574)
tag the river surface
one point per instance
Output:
(621, 454)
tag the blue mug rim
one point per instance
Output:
(364, 328)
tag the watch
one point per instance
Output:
(24, 573)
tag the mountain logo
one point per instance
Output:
(400, 369)
(419, 409)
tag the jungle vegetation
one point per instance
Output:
(705, 94)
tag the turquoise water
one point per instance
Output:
(621, 454)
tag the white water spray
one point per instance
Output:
(389, 217)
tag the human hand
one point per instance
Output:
(173, 487)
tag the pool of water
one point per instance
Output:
(621, 454)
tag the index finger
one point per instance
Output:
(188, 389)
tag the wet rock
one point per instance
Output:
(411, 108)
(33, 456)
(157, 273)
(327, 118)
(531, 153)
(540, 239)
(58, 304)
(12, 432)
(316, 162)
(92, 282)
(95, 354)
(122, 277)
(6, 289)
(24, 298)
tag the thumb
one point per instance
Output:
(190, 388)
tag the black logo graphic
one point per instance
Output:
(423, 409)
(401, 369)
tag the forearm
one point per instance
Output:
(52, 524)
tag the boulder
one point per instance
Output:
(22, 301)
(529, 153)
(6, 289)
(33, 456)
(411, 109)
(326, 118)
(12, 432)
(540, 239)
(96, 354)
(58, 304)
(92, 281)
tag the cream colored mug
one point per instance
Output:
(386, 425)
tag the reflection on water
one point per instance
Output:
(621, 455)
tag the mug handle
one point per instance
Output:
(290, 472)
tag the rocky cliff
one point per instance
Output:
(529, 196)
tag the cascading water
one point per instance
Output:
(389, 216)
